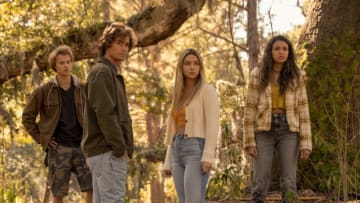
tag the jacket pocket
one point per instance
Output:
(51, 105)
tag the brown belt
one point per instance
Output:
(278, 111)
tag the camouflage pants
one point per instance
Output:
(62, 161)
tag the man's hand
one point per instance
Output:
(251, 151)
(304, 154)
(205, 167)
(124, 156)
(52, 144)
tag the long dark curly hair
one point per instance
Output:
(290, 72)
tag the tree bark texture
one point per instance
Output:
(152, 25)
(331, 42)
(331, 19)
(252, 33)
(331, 38)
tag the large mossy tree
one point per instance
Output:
(330, 42)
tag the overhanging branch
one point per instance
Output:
(151, 26)
(242, 47)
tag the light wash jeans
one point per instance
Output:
(278, 138)
(109, 178)
(190, 184)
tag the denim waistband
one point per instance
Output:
(186, 136)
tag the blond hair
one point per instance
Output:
(180, 79)
(116, 29)
(60, 50)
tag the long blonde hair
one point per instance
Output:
(180, 79)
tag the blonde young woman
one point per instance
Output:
(277, 118)
(192, 129)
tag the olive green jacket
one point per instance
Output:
(107, 122)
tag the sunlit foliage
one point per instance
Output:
(149, 76)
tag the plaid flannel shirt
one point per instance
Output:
(258, 110)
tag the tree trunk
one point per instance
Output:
(152, 25)
(252, 33)
(153, 131)
(331, 42)
(323, 26)
(153, 123)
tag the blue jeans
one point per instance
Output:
(190, 184)
(286, 143)
(109, 178)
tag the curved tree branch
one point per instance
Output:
(240, 46)
(151, 26)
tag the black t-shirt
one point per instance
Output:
(68, 131)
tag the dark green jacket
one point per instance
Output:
(46, 102)
(107, 122)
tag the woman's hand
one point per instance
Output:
(251, 151)
(205, 167)
(166, 173)
(304, 154)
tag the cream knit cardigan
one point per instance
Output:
(201, 120)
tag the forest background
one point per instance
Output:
(230, 35)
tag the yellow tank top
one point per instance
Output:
(179, 117)
(278, 100)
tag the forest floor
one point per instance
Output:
(306, 196)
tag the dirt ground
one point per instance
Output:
(306, 196)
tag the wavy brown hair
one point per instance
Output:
(290, 72)
(116, 29)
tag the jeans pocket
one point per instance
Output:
(118, 165)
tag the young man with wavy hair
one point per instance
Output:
(108, 137)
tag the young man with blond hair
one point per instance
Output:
(59, 103)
